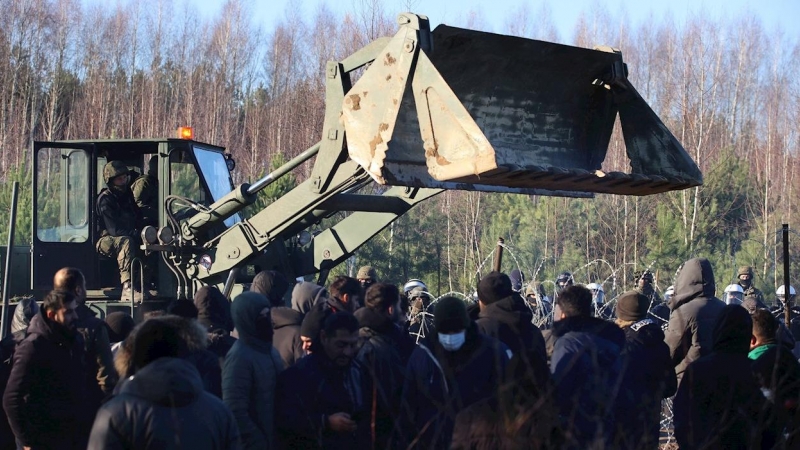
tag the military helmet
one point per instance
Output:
(745, 270)
(114, 169)
(367, 273)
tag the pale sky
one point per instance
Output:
(774, 14)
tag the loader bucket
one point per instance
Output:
(490, 112)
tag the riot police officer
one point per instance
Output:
(779, 309)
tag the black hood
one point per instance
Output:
(213, 309)
(733, 330)
(271, 284)
(695, 280)
(510, 311)
(284, 317)
(370, 318)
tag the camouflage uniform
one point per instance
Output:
(145, 192)
(118, 220)
(751, 291)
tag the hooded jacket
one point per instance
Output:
(511, 322)
(164, 406)
(196, 340)
(249, 375)
(718, 403)
(214, 313)
(694, 311)
(647, 378)
(384, 350)
(270, 284)
(305, 295)
(439, 384)
(586, 365)
(44, 398)
(286, 323)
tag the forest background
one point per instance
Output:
(726, 88)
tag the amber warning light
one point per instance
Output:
(185, 133)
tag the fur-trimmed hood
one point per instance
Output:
(191, 331)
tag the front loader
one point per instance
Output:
(431, 110)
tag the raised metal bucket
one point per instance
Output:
(483, 111)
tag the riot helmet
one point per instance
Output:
(669, 293)
(734, 295)
(598, 294)
(781, 293)
(563, 281)
(414, 283)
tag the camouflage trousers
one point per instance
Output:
(123, 248)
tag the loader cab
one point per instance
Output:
(67, 179)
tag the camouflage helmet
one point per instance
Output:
(745, 270)
(114, 169)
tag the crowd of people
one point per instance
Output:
(365, 364)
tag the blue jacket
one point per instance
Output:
(586, 366)
(439, 384)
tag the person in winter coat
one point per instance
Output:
(324, 400)
(522, 415)
(778, 374)
(271, 284)
(101, 376)
(164, 406)
(287, 321)
(384, 350)
(26, 309)
(694, 311)
(585, 365)
(196, 339)
(719, 403)
(647, 374)
(45, 396)
(461, 367)
(504, 316)
(251, 371)
(214, 313)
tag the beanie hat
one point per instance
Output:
(516, 280)
(450, 315)
(367, 273)
(632, 305)
(312, 323)
(494, 287)
(119, 326)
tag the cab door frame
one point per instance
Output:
(49, 255)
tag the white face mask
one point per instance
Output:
(452, 342)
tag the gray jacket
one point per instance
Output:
(694, 311)
(249, 375)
